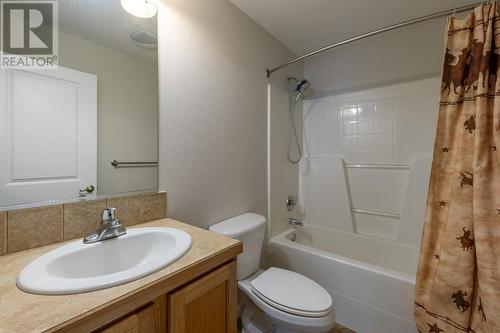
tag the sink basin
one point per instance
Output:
(77, 267)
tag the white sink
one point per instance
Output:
(77, 267)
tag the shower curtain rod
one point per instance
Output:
(373, 33)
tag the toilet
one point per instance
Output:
(274, 300)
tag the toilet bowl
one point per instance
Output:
(274, 300)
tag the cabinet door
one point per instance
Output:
(206, 305)
(147, 320)
(128, 324)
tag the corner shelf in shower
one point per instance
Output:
(379, 166)
(374, 212)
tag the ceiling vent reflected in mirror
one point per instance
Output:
(146, 39)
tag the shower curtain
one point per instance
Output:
(458, 280)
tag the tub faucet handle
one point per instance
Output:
(296, 222)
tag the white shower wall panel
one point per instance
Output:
(368, 185)
(393, 125)
(325, 194)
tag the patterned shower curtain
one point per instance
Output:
(458, 280)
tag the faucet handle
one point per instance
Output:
(108, 215)
(295, 221)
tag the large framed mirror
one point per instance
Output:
(88, 127)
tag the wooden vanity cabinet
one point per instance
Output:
(204, 305)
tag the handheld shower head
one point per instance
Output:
(302, 86)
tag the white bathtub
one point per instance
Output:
(371, 281)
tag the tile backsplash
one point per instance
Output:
(128, 209)
(28, 228)
(152, 208)
(80, 218)
(3, 232)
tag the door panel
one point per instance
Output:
(48, 137)
(207, 305)
(141, 322)
(148, 319)
(129, 324)
(208, 311)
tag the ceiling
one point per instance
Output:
(106, 23)
(306, 25)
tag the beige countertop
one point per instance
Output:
(23, 312)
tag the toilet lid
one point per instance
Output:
(292, 292)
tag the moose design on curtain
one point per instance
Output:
(458, 280)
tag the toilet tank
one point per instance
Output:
(249, 228)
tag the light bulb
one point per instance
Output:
(139, 8)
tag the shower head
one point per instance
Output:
(299, 89)
(302, 86)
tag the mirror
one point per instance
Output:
(87, 127)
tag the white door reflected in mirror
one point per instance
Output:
(49, 150)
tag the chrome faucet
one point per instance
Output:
(110, 228)
(295, 222)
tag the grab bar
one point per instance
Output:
(374, 212)
(117, 164)
(378, 166)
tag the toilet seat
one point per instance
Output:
(292, 293)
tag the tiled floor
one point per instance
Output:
(340, 329)
(336, 329)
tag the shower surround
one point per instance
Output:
(367, 160)
(363, 185)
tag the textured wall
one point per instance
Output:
(395, 56)
(213, 119)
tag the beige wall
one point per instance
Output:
(400, 55)
(127, 111)
(213, 109)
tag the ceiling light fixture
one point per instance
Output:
(139, 8)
